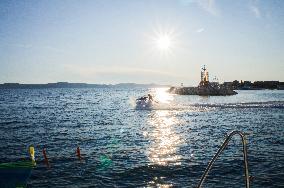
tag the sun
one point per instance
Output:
(163, 42)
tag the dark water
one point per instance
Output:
(169, 145)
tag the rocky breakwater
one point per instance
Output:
(205, 90)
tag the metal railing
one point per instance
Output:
(224, 145)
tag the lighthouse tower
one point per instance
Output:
(204, 76)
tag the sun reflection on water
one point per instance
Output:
(161, 95)
(164, 140)
(159, 182)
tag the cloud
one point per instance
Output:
(18, 45)
(255, 10)
(29, 46)
(94, 71)
(200, 30)
(207, 5)
(51, 48)
(118, 74)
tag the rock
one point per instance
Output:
(208, 90)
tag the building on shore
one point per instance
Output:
(256, 85)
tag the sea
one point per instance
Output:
(167, 145)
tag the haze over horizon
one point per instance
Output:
(163, 42)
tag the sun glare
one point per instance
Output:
(163, 42)
(161, 95)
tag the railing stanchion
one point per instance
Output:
(223, 146)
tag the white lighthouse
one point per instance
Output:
(204, 76)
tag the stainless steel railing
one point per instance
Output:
(223, 146)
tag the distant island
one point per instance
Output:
(74, 85)
(234, 85)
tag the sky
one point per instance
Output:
(141, 41)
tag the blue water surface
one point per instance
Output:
(169, 145)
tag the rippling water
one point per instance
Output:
(169, 145)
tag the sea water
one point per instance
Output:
(168, 145)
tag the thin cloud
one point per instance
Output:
(255, 10)
(18, 45)
(206, 5)
(51, 48)
(29, 46)
(199, 30)
(97, 71)
(209, 6)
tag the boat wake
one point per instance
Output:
(270, 104)
(153, 105)
(144, 105)
(171, 106)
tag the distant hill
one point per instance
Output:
(74, 85)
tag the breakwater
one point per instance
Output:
(203, 90)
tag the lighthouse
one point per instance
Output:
(205, 88)
(204, 76)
